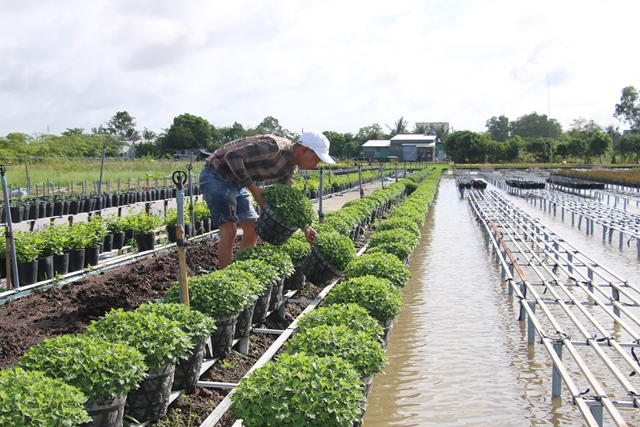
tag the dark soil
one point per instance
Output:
(67, 309)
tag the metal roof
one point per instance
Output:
(414, 137)
(377, 143)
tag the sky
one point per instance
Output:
(331, 65)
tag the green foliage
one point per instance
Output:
(53, 240)
(396, 241)
(628, 110)
(290, 205)
(335, 248)
(266, 274)
(159, 339)
(187, 131)
(99, 368)
(360, 349)
(378, 296)
(398, 222)
(27, 245)
(172, 217)
(116, 224)
(296, 247)
(29, 398)
(200, 210)
(95, 229)
(273, 255)
(76, 237)
(196, 325)
(219, 294)
(351, 315)
(379, 264)
(300, 390)
(140, 222)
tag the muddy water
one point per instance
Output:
(458, 356)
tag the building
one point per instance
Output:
(407, 148)
(376, 149)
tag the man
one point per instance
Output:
(230, 173)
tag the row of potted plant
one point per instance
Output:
(244, 270)
(332, 337)
(32, 208)
(125, 365)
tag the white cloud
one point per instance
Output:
(331, 65)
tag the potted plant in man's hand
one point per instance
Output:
(287, 210)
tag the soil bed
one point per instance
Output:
(70, 308)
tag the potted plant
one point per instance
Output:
(198, 327)
(20, 405)
(352, 315)
(298, 249)
(363, 351)
(116, 226)
(143, 226)
(399, 242)
(201, 214)
(287, 210)
(95, 230)
(76, 242)
(107, 372)
(378, 296)
(162, 343)
(379, 264)
(267, 277)
(330, 255)
(399, 223)
(300, 390)
(54, 243)
(171, 222)
(277, 258)
(27, 252)
(223, 296)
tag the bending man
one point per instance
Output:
(230, 173)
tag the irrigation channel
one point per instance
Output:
(508, 323)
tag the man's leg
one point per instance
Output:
(249, 235)
(225, 243)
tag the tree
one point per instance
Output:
(577, 147)
(498, 128)
(367, 133)
(535, 125)
(583, 128)
(420, 129)
(598, 144)
(467, 147)
(539, 148)
(72, 131)
(629, 144)
(400, 128)
(187, 131)
(628, 111)
(441, 130)
(271, 125)
(123, 125)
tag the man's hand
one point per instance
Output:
(310, 234)
(257, 195)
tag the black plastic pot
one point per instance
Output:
(145, 241)
(76, 259)
(222, 337)
(27, 273)
(45, 268)
(61, 263)
(91, 256)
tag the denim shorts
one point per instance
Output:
(226, 201)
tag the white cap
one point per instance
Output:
(318, 143)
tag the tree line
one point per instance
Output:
(529, 138)
(536, 138)
(187, 131)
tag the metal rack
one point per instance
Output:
(586, 316)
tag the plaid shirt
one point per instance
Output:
(255, 158)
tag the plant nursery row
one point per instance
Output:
(126, 364)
